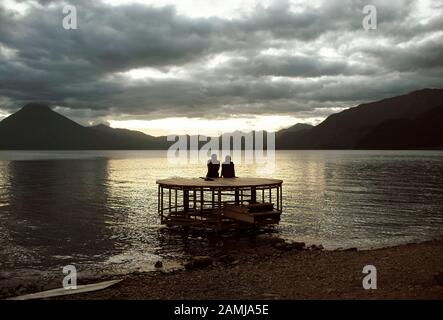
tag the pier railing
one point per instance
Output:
(185, 203)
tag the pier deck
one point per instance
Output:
(220, 202)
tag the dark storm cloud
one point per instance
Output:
(427, 55)
(107, 40)
(274, 59)
(290, 66)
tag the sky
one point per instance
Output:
(207, 67)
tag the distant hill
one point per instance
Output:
(284, 138)
(296, 128)
(411, 121)
(131, 139)
(37, 127)
(425, 131)
(350, 128)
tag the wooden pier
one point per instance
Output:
(219, 203)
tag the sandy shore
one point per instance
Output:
(266, 271)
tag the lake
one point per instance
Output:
(97, 209)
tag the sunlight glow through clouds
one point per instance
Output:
(426, 10)
(7, 52)
(193, 126)
(217, 60)
(15, 6)
(152, 73)
(228, 9)
(3, 115)
(147, 73)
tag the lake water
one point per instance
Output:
(97, 209)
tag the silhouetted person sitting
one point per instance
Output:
(228, 170)
(213, 167)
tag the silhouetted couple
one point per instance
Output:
(227, 171)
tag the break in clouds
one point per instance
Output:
(151, 60)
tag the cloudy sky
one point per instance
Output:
(206, 66)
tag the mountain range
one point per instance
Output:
(411, 121)
(37, 127)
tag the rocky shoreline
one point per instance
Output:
(271, 268)
(274, 269)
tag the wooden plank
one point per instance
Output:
(257, 207)
(219, 182)
(235, 208)
(202, 200)
(161, 199)
(176, 194)
(63, 292)
(170, 191)
(253, 195)
(186, 199)
(239, 216)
